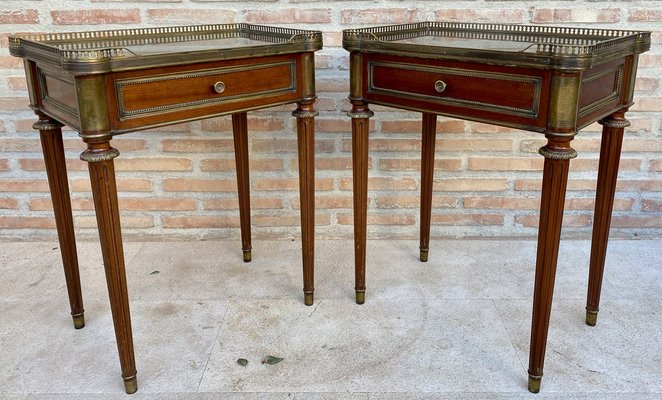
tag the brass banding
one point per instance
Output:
(554, 154)
(98, 156)
(47, 125)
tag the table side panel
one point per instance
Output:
(56, 94)
(512, 96)
(604, 89)
(158, 96)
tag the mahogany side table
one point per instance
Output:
(551, 80)
(107, 83)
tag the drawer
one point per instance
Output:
(455, 91)
(204, 88)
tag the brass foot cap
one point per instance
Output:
(308, 298)
(534, 383)
(424, 255)
(79, 320)
(360, 296)
(131, 384)
(247, 256)
(591, 318)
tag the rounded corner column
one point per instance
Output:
(99, 156)
(50, 133)
(557, 153)
(613, 127)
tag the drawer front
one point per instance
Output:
(167, 93)
(455, 91)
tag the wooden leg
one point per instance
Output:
(51, 143)
(102, 176)
(360, 127)
(610, 153)
(305, 114)
(429, 132)
(240, 131)
(557, 155)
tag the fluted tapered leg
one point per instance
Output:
(360, 127)
(305, 114)
(240, 132)
(610, 154)
(557, 155)
(51, 143)
(100, 157)
(429, 133)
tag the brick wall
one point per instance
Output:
(179, 181)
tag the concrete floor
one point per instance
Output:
(456, 327)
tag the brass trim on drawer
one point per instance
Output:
(531, 112)
(121, 83)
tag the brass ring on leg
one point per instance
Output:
(424, 255)
(591, 318)
(534, 383)
(360, 296)
(79, 320)
(308, 298)
(248, 256)
(131, 384)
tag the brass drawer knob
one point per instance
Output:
(440, 86)
(219, 87)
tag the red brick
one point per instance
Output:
(645, 15)
(17, 84)
(407, 126)
(569, 221)
(208, 221)
(199, 185)
(331, 164)
(270, 164)
(400, 201)
(190, 16)
(4, 164)
(257, 203)
(27, 222)
(7, 203)
(653, 104)
(589, 204)
(348, 219)
(639, 185)
(629, 221)
(650, 61)
(290, 145)
(287, 220)
(14, 103)
(471, 184)
(15, 17)
(536, 184)
(549, 15)
(34, 185)
(656, 165)
(505, 164)
(123, 185)
(127, 222)
(646, 84)
(513, 16)
(153, 164)
(467, 219)
(512, 203)
(382, 183)
(651, 205)
(92, 17)
(327, 202)
(414, 164)
(289, 16)
(380, 16)
(197, 145)
(11, 62)
(289, 184)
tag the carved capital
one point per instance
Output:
(557, 153)
(98, 156)
(361, 114)
(305, 113)
(611, 122)
(47, 125)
